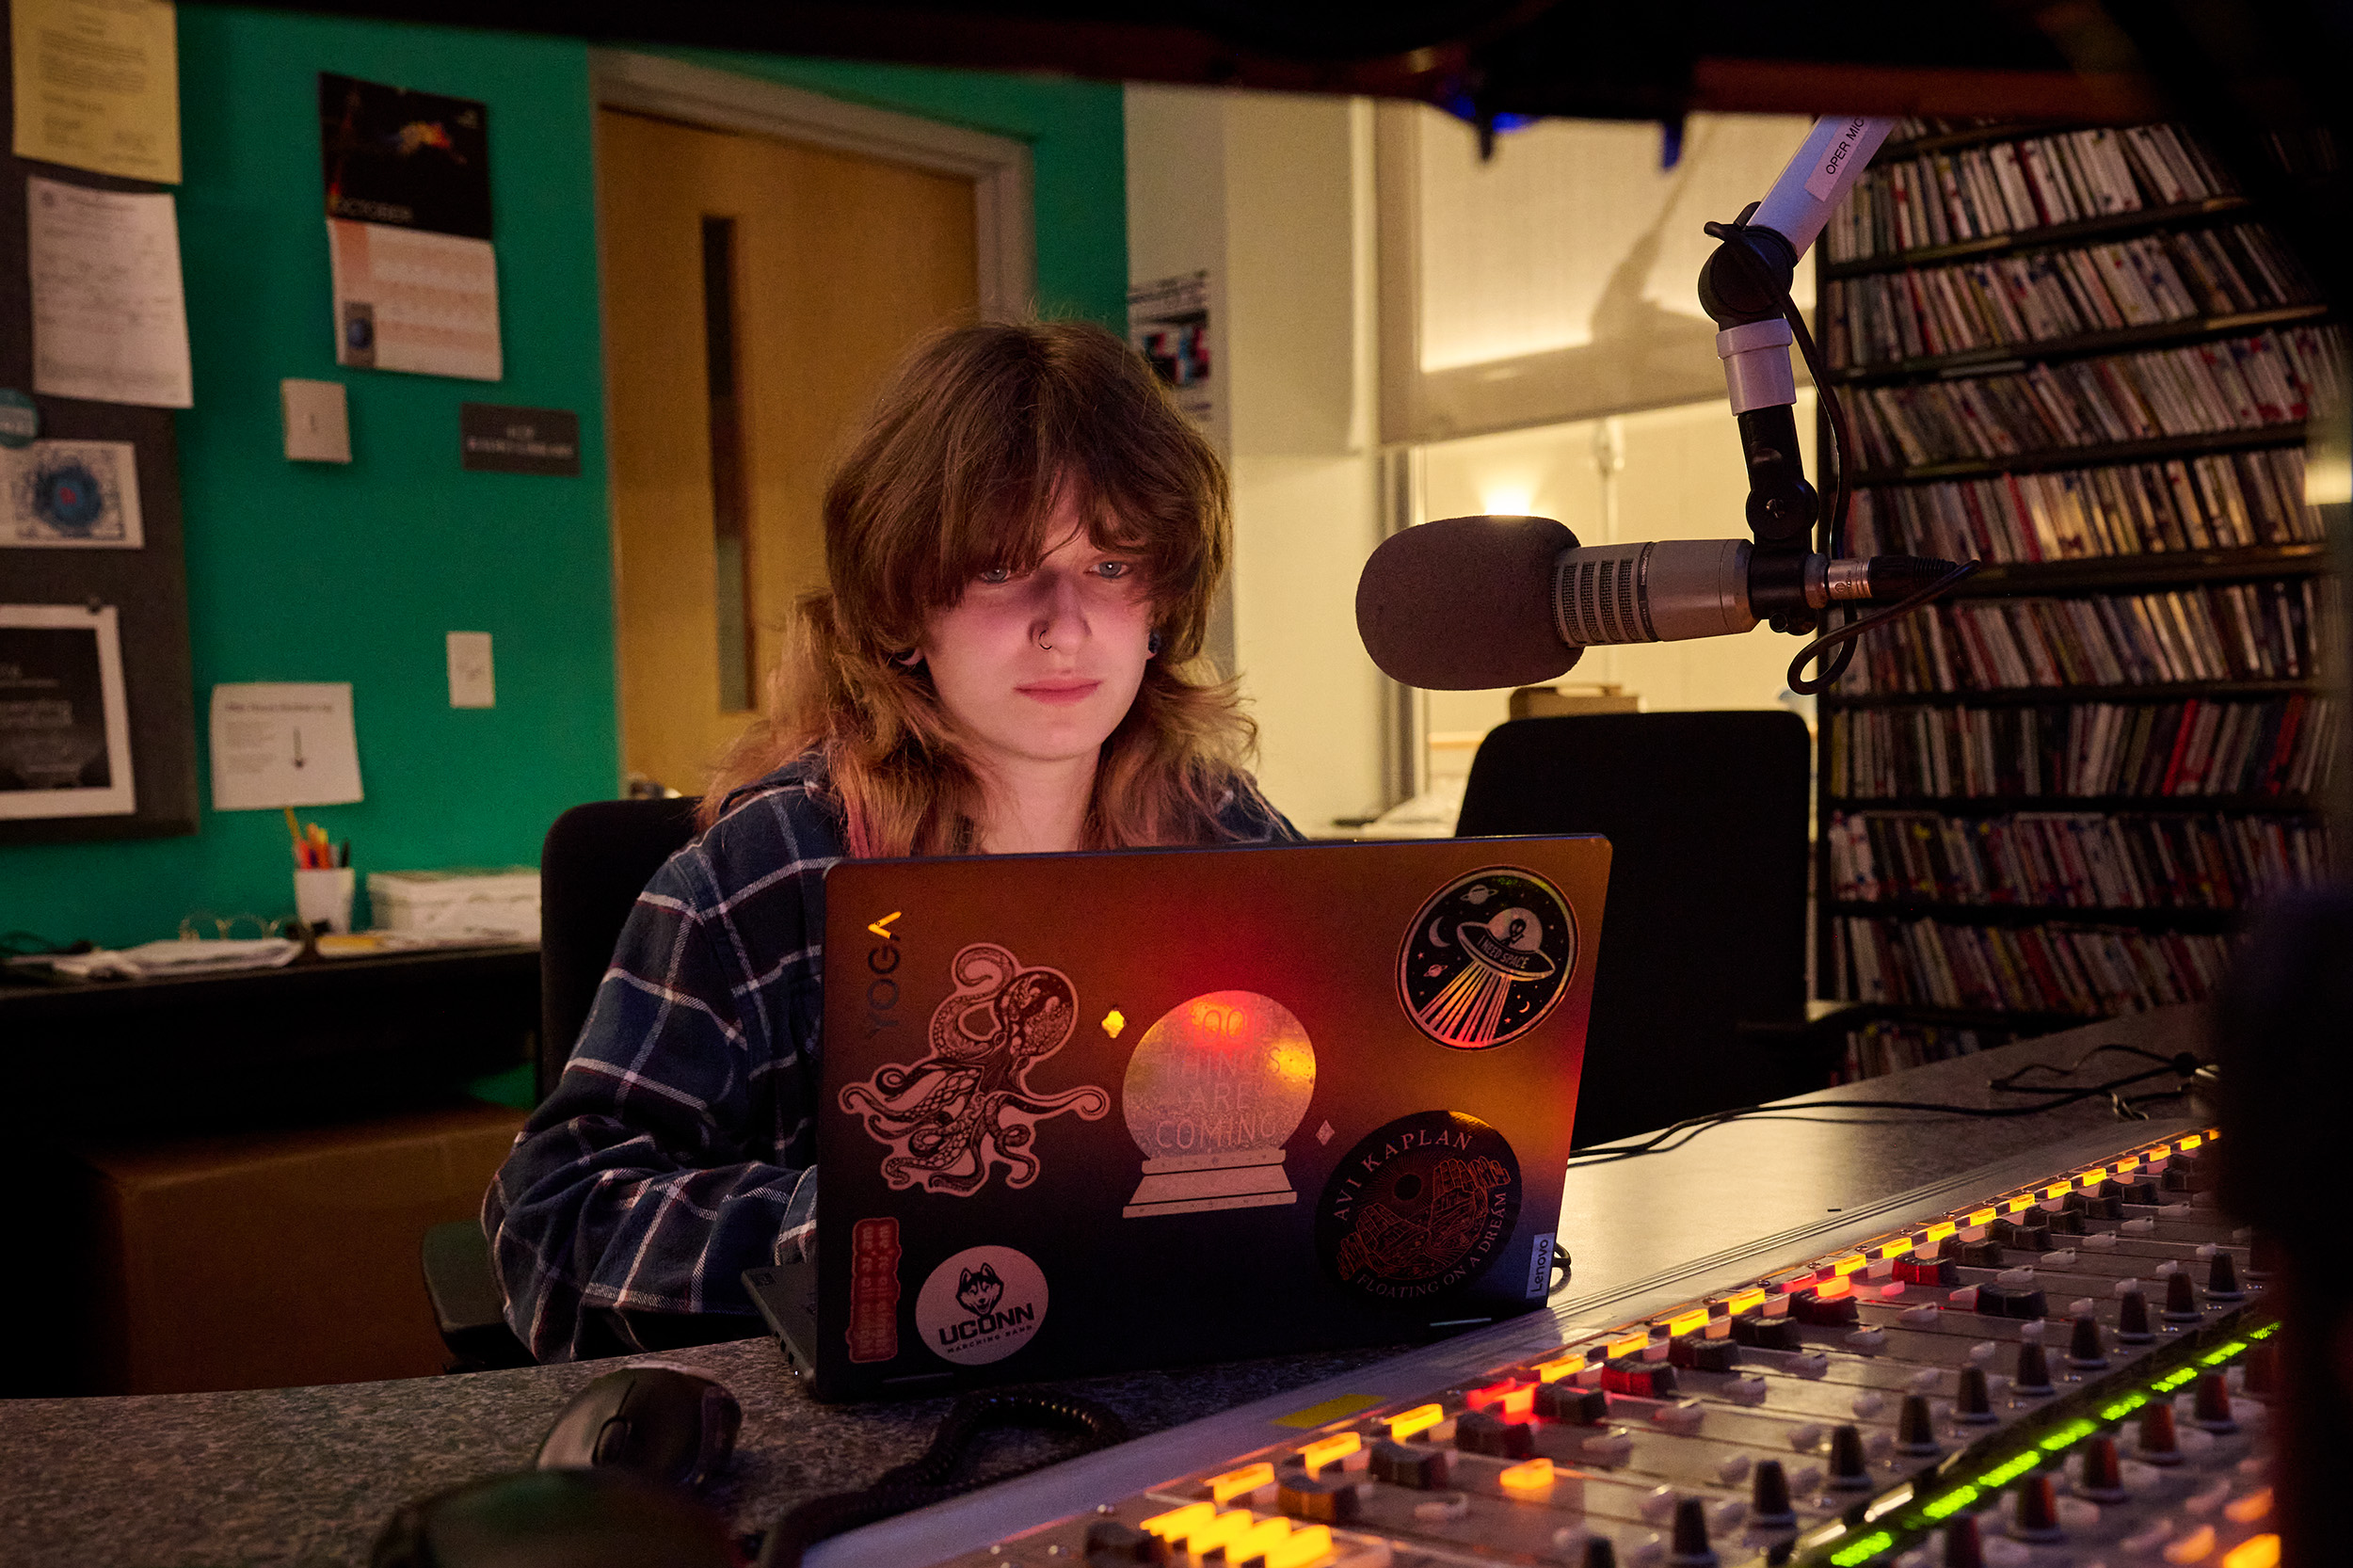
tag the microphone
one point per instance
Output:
(1466, 604)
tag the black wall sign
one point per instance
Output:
(499, 440)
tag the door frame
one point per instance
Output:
(999, 167)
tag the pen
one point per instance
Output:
(293, 831)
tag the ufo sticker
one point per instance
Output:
(1486, 958)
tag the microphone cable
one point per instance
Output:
(1832, 528)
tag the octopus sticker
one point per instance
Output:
(952, 1117)
(1486, 958)
(1419, 1209)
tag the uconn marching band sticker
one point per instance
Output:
(964, 1107)
(980, 1305)
(1419, 1208)
(1487, 958)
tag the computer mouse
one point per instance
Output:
(557, 1519)
(661, 1421)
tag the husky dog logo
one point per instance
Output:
(977, 1290)
(1486, 958)
(966, 1107)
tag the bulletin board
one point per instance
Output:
(146, 586)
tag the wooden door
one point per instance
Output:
(755, 294)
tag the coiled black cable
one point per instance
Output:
(932, 1478)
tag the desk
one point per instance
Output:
(310, 1474)
(205, 1050)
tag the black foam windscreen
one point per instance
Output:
(1464, 604)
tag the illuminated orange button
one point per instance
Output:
(1845, 1266)
(1222, 1531)
(1897, 1248)
(1632, 1344)
(1258, 1540)
(2196, 1546)
(1421, 1418)
(2058, 1189)
(1177, 1524)
(2130, 1162)
(1300, 1548)
(1233, 1484)
(1688, 1323)
(1494, 1393)
(2260, 1551)
(1532, 1475)
(2156, 1151)
(1747, 1301)
(1558, 1368)
(2092, 1177)
(1830, 1290)
(2190, 1141)
(1331, 1450)
(2018, 1205)
(1939, 1230)
(1982, 1217)
(2246, 1509)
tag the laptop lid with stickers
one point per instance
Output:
(1081, 1113)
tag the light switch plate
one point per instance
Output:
(470, 679)
(318, 424)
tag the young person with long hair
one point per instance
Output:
(1021, 550)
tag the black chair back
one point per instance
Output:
(597, 859)
(1704, 926)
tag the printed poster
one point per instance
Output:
(1168, 322)
(71, 495)
(65, 722)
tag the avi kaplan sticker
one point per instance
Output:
(980, 1305)
(1418, 1208)
(1487, 958)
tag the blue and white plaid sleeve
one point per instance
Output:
(668, 1158)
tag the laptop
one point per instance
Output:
(1082, 1113)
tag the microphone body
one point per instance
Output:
(1472, 603)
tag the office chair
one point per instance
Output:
(1700, 981)
(595, 860)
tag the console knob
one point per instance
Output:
(2158, 1445)
(2181, 1297)
(2083, 1347)
(1973, 1402)
(1690, 1549)
(2101, 1477)
(2132, 1318)
(1916, 1428)
(2034, 1370)
(2222, 1279)
(1965, 1547)
(2036, 1516)
(2212, 1406)
(1769, 1494)
(1850, 1467)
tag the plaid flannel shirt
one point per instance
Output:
(677, 1149)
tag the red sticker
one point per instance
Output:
(874, 1332)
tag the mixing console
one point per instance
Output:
(2072, 1373)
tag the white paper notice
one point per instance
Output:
(283, 744)
(408, 300)
(109, 320)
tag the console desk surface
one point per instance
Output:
(310, 1475)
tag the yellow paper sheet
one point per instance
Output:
(98, 86)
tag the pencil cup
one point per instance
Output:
(323, 898)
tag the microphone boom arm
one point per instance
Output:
(1744, 286)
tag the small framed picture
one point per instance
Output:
(65, 723)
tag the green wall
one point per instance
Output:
(320, 573)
